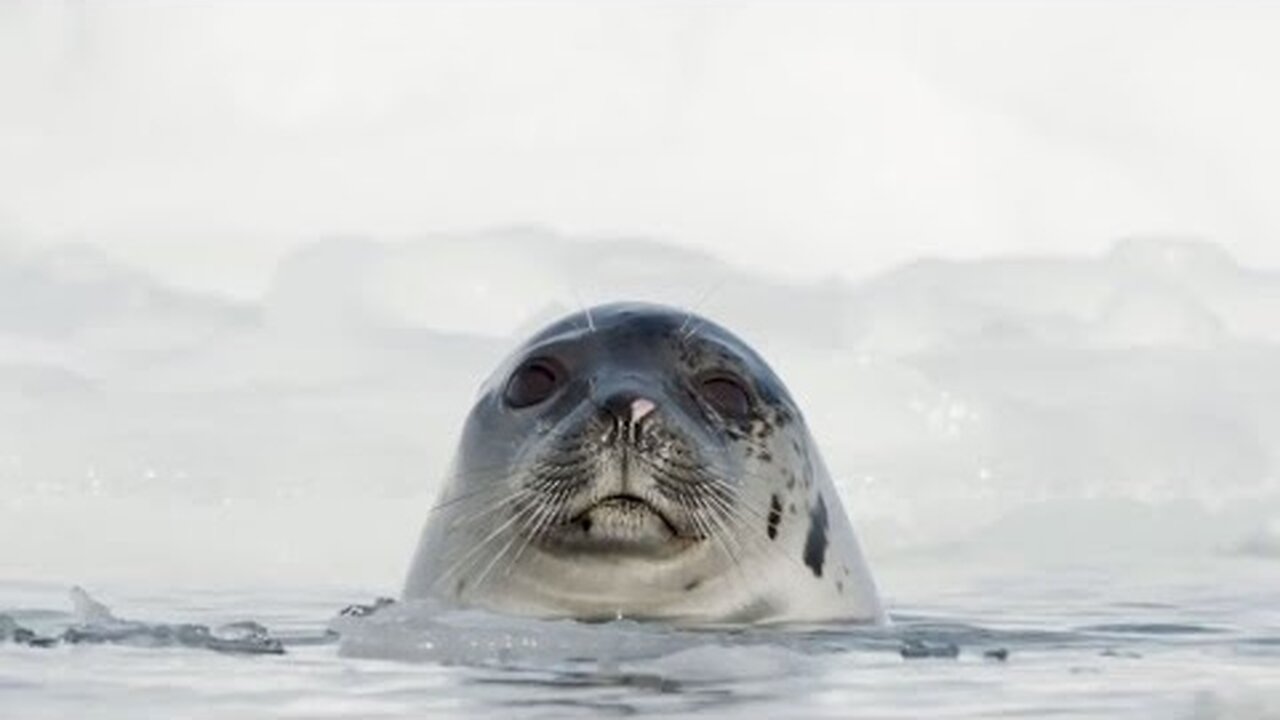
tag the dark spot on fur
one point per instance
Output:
(791, 481)
(815, 545)
(775, 517)
(840, 586)
(462, 584)
(765, 456)
(586, 525)
(791, 508)
(692, 584)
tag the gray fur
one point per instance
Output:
(567, 508)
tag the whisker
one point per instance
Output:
(723, 538)
(466, 496)
(541, 521)
(524, 512)
(458, 564)
(740, 522)
(500, 504)
(697, 304)
(710, 487)
(679, 489)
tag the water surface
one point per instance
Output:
(1170, 638)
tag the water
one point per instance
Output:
(1173, 637)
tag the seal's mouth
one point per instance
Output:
(623, 524)
(622, 506)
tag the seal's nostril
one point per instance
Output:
(628, 408)
(640, 407)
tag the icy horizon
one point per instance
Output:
(1052, 406)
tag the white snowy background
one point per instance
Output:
(1013, 260)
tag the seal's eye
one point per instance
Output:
(727, 396)
(532, 383)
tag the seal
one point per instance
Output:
(639, 461)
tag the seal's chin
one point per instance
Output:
(620, 525)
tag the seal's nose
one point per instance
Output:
(641, 407)
(628, 407)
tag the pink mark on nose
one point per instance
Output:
(641, 407)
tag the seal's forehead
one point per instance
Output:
(632, 323)
(632, 319)
(628, 326)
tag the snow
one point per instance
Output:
(1125, 402)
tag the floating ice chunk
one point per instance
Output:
(913, 649)
(89, 611)
(11, 631)
(359, 611)
(97, 624)
(8, 628)
(245, 637)
(139, 634)
(421, 631)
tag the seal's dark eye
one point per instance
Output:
(532, 383)
(726, 396)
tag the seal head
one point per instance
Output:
(639, 461)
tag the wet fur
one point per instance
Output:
(758, 530)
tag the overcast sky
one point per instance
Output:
(202, 140)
